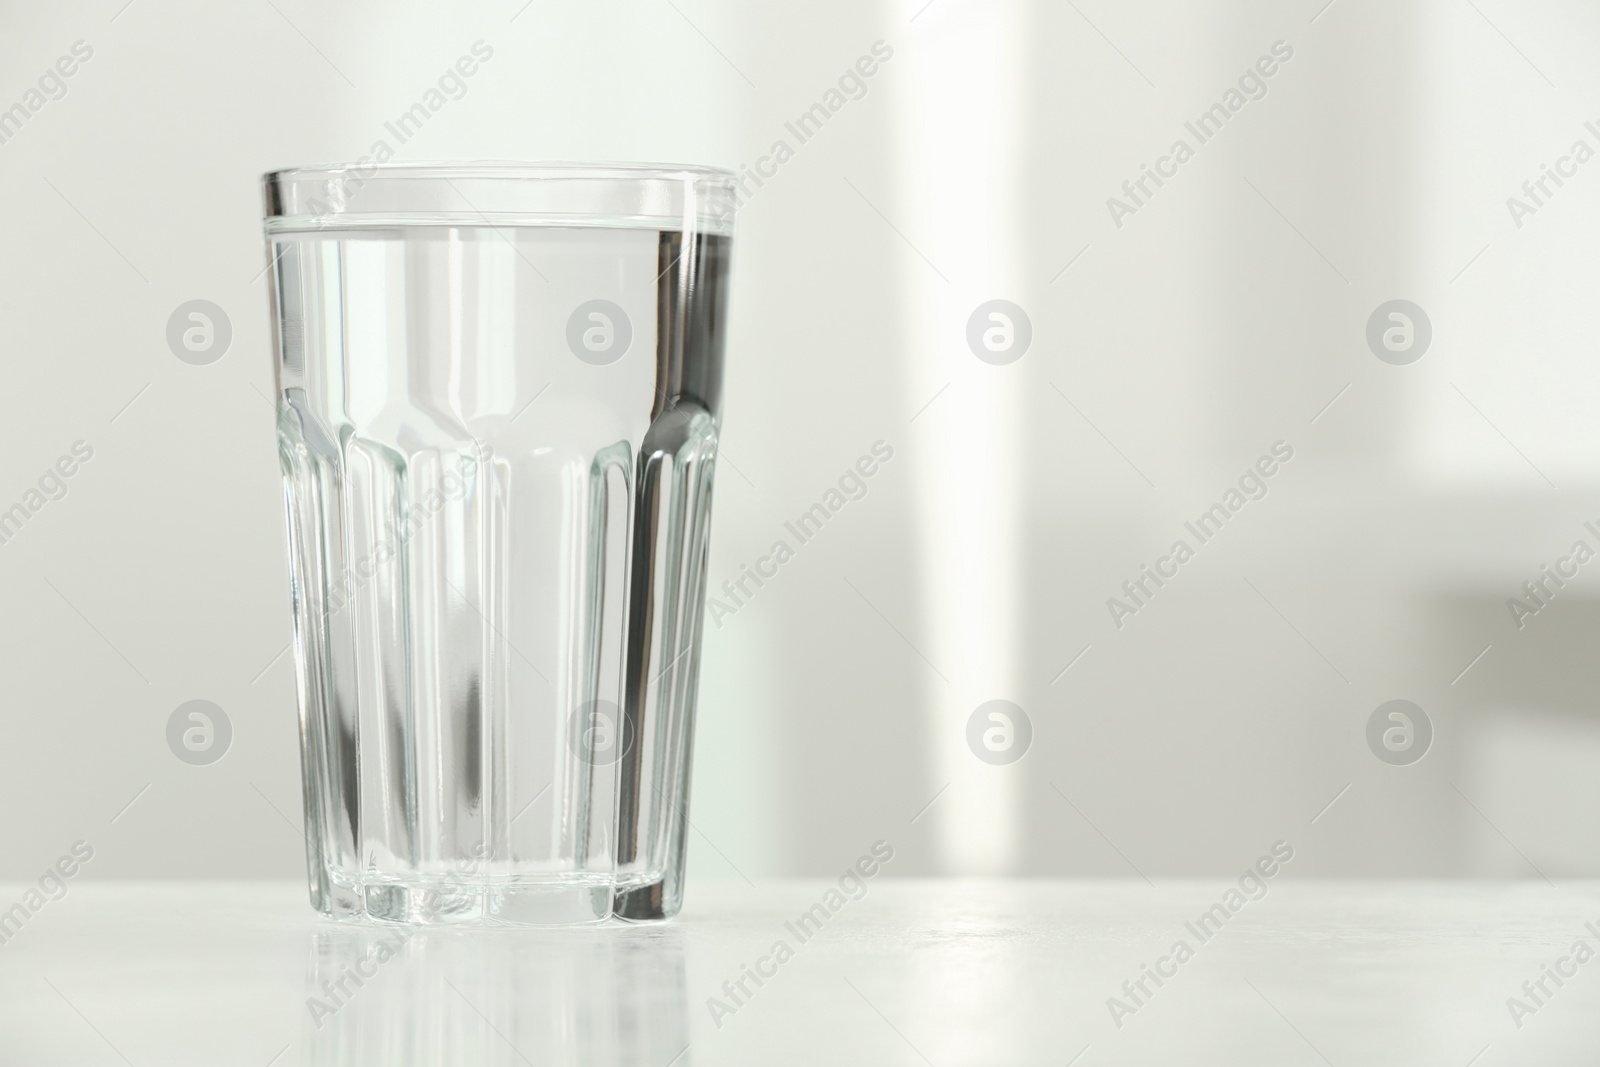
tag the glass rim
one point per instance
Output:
(368, 193)
(507, 170)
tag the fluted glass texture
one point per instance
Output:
(497, 444)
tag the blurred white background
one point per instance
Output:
(1227, 313)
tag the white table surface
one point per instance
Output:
(916, 972)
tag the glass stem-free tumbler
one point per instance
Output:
(499, 389)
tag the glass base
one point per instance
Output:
(555, 903)
(641, 903)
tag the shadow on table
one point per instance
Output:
(490, 997)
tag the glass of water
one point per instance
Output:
(499, 389)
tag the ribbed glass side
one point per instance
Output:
(497, 447)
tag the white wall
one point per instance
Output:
(1174, 350)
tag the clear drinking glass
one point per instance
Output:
(499, 390)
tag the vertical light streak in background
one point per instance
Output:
(960, 108)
